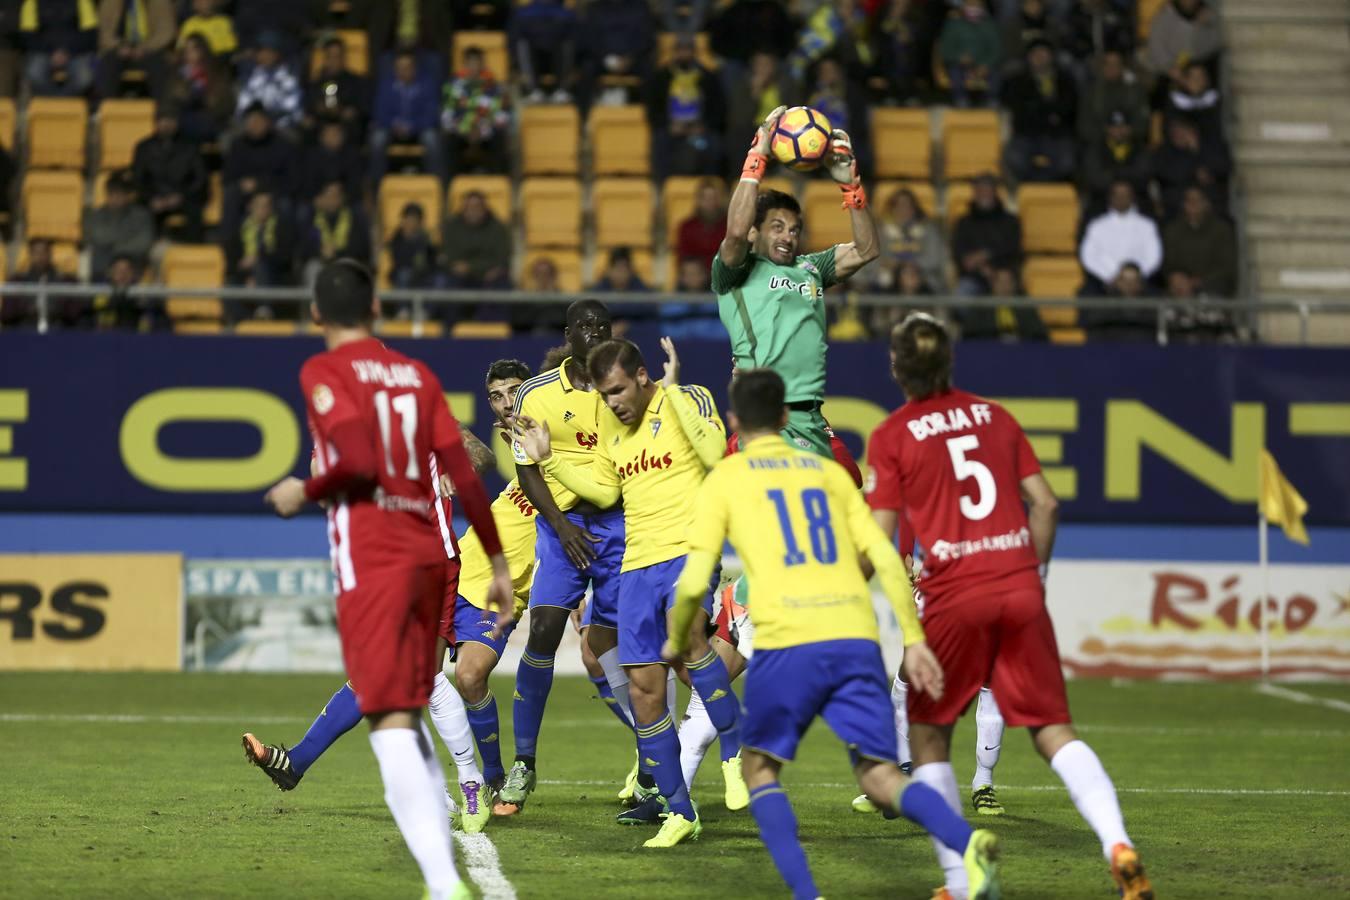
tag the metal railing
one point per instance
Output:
(1243, 313)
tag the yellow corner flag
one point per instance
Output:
(1280, 503)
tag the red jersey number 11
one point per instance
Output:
(405, 406)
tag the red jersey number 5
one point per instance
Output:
(986, 492)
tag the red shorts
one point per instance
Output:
(388, 628)
(447, 626)
(1004, 640)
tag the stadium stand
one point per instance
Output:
(53, 205)
(620, 140)
(551, 208)
(496, 190)
(550, 140)
(623, 212)
(396, 191)
(57, 127)
(122, 124)
(193, 266)
(909, 148)
(971, 143)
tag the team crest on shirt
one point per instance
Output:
(322, 399)
(870, 484)
(656, 426)
(810, 267)
(803, 443)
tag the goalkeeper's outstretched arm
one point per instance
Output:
(741, 212)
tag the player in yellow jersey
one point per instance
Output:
(799, 524)
(653, 453)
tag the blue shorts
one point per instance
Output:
(474, 625)
(645, 596)
(844, 682)
(559, 583)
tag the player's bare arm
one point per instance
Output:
(1042, 514)
(741, 211)
(576, 541)
(843, 166)
(287, 497)
(480, 454)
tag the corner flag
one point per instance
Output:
(1279, 502)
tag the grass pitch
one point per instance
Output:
(135, 786)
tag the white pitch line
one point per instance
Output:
(139, 719)
(1284, 693)
(485, 868)
(1051, 788)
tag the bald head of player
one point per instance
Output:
(758, 403)
(588, 326)
(620, 376)
(921, 356)
(344, 305)
(777, 230)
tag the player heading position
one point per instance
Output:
(959, 469)
(816, 635)
(379, 422)
(771, 299)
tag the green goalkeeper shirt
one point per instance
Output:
(775, 316)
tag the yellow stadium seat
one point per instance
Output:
(1070, 336)
(491, 331)
(550, 140)
(665, 49)
(623, 212)
(620, 140)
(826, 223)
(970, 143)
(496, 189)
(265, 328)
(551, 208)
(1053, 278)
(53, 204)
(121, 126)
(193, 266)
(396, 191)
(406, 328)
(883, 191)
(1144, 11)
(65, 257)
(9, 116)
(567, 262)
(383, 267)
(492, 43)
(904, 143)
(215, 199)
(1049, 214)
(198, 326)
(56, 132)
(355, 52)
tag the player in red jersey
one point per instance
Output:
(960, 470)
(379, 420)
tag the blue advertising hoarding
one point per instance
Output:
(1127, 433)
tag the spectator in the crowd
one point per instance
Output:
(898, 46)
(27, 312)
(699, 321)
(1192, 325)
(260, 251)
(7, 171)
(1183, 31)
(477, 246)
(285, 21)
(212, 25)
(336, 229)
(1118, 154)
(1001, 323)
(988, 237)
(202, 91)
(542, 277)
(481, 15)
(1200, 247)
(1044, 104)
(752, 99)
(1105, 321)
(907, 236)
(1195, 99)
(683, 17)
(271, 84)
(170, 177)
(701, 234)
(1121, 234)
(543, 39)
(412, 255)
(259, 159)
(739, 30)
(337, 93)
(1092, 28)
(844, 103)
(909, 282)
(619, 275)
(409, 25)
(117, 309)
(971, 53)
(619, 39)
(407, 111)
(59, 40)
(477, 117)
(10, 47)
(120, 227)
(828, 31)
(133, 35)
(687, 112)
(333, 158)
(1113, 88)
(1184, 159)
(1029, 24)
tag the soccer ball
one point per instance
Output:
(801, 139)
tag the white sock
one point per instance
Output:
(671, 696)
(451, 719)
(418, 804)
(617, 676)
(696, 736)
(941, 778)
(898, 691)
(988, 739)
(1092, 792)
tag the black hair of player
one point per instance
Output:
(579, 308)
(503, 369)
(554, 358)
(344, 292)
(771, 200)
(758, 398)
(624, 354)
(921, 356)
